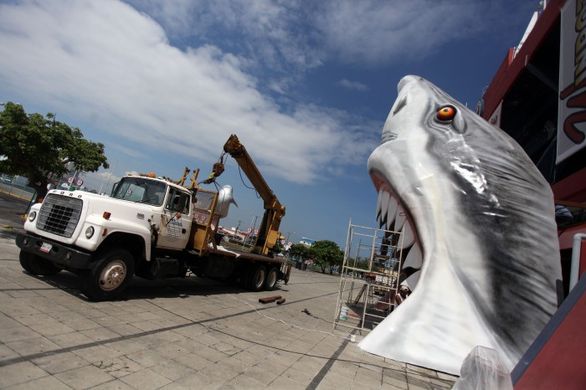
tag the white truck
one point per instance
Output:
(150, 227)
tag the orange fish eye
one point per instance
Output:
(446, 113)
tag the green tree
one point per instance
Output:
(37, 146)
(326, 253)
(299, 251)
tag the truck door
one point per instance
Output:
(175, 220)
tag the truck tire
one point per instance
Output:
(256, 278)
(111, 274)
(271, 279)
(36, 265)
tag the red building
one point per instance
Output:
(545, 115)
(538, 96)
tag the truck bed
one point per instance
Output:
(243, 256)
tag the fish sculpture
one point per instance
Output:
(478, 227)
(225, 198)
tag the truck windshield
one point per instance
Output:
(141, 190)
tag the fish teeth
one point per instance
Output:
(392, 210)
(408, 236)
(414, 258)
(382, 206)
(378, 204)
(400, 218)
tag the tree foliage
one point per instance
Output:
(37, 146)
(299, 251)
(326, 253)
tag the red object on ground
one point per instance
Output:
(269, 299)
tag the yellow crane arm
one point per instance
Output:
(274, 211)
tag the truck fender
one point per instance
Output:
(124, 227)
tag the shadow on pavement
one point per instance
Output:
(146, 289)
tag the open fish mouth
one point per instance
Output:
(393, 216)
(477, 238)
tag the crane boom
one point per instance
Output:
(274, 211)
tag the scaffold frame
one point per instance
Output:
(369, 277)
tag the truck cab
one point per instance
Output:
(171, 207)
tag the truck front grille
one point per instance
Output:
(59, 215)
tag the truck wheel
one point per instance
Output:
(36, 265)
(110, 276)
(271, 279)
(256, 278)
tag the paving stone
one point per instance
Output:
(335, 382)
(97, 353)
(146, 379)
(192, 331)
(118, 367)
(128, 346)
(70, 339)
(226, 348)
(19, 373)
(7, 353)
(113, 385)
(124, 329)
(45, 383)
(7, 322)
(172, 370)
(62, 362)
(100, 334)
(201, 380)
(32, 346)
(84, 377)
(145, 325)
(368, 378)
(305, 369)
(449, 377)
(31, 319)
(418, 382)
(81, 324)
(242, 381)
(421, 370)
(284, 383)
(266, 371)
(206, 352)
(247, 358)
(193, 361)
(146, 358)
(15, 334)
(51, 328)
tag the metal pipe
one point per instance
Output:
(575, 265)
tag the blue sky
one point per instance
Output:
(306, 85)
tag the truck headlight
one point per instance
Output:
(89, 232)
(32, 215)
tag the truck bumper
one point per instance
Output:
(56, 253)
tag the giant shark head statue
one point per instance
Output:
(478, 223)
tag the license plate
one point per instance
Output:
(46, 248)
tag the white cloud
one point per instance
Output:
(271, 33)
(302, 35)
(353, 85)
(104, 63)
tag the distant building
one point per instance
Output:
(306, 241)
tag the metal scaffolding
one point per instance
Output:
(369, 277)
